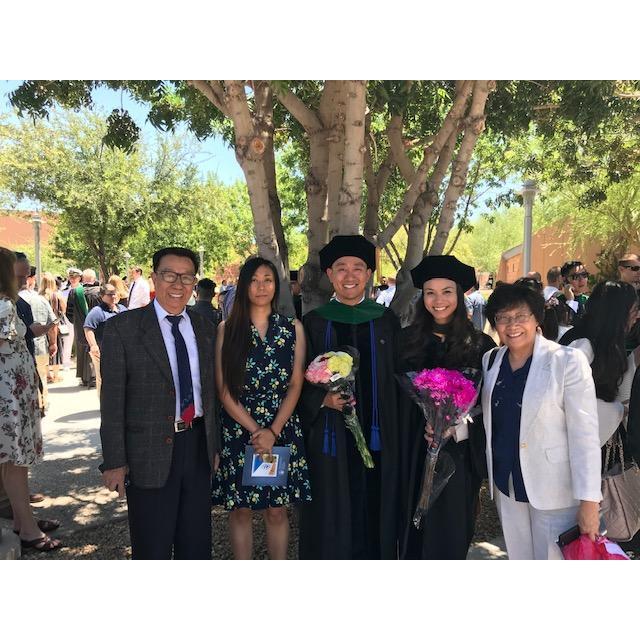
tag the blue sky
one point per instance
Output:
(213, 156)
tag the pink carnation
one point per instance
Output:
(446, 384)
(318, 372)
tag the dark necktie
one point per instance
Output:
(187, 406)
(131, 289)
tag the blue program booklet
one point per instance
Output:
(266, 470)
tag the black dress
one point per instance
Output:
(354, 510)
(450, 522)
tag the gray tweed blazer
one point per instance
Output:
(137, 400)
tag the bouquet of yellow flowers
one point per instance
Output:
(335, 371)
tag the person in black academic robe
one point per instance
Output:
(83, 298)
(449, 340)
(353, 512)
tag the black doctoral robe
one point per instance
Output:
(450, 522)
(83, 360)
(353, 513)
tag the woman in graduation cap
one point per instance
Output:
(441, 335)
(353, 512)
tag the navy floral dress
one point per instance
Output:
(268, 371)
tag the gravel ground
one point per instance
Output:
(111, 541)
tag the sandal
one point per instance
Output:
(41, 544)
(44, 525)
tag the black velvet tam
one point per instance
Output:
(341, 246)
(443, 267)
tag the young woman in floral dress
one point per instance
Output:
(259, 373)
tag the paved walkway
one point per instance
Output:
(69, 476)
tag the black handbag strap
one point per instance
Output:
(492, 357)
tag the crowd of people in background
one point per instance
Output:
(214, 369)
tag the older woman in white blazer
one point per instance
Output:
(541, 421)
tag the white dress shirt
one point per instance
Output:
(186, 329)
(139, 294)
(385, 297)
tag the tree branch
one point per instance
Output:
(298, 109)
(394, 135)
(431, 153)
(214, 95)
(474, 125)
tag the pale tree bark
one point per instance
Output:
(336, 106)
(350, 199)
(251, 143)
(394, 135)
(319, 129)
(426, 204)
(431, 154)
(465, 215)
(405, 291)
(250, 150)
(474, 125)
(264, 123)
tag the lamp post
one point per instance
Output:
(201, 250)
(127, 256)
(529, 191)
(37, 220)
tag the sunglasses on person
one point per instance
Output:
(577, 276)
(633, 267)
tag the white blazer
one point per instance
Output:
(559, 443)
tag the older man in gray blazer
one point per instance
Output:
(159, 429)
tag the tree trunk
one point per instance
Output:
(264, 123)
(474, 125)
(336, 99)
(250, 155)
(350, 199)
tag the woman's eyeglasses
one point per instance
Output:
(577, 276)
(521, 318)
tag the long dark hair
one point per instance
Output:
(8, 285)
(237, 328)
(604, 324)
(461, 335)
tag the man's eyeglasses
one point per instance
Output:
(633, 267)
(521, 318)
(577, 276)
(172, 276)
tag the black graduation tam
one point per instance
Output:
(341, 246)
(443, 267)
(293, 275)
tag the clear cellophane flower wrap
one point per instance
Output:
(445, 396)
(335, 371)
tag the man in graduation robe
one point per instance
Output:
(353, 513)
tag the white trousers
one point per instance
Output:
(531, 534)
(67, 346)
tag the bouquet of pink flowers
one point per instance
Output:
(445, 396)
(335, 371)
